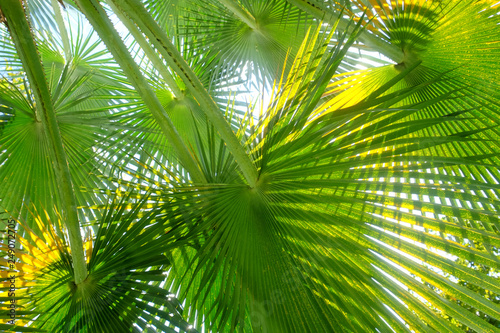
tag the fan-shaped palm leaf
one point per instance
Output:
(124, 257)
(323, 228)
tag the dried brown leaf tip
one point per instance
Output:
(2, 18)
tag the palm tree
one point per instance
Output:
(149, 193)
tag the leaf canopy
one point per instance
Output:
(363, 197)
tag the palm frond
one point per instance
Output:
(123, 257)
(348, 197)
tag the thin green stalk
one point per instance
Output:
(241, 13)
(62, 28)
(152, 55)
(321, 13)
(138, 14)
(19, 29)
(104, 28)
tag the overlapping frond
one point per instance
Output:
(83, 102)
(358, 201)
(123, 292)
(229, 35)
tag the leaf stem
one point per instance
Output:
(62, 29)
(20, 32)
(103, 26)
(241, 13)
(138, 14)
(152, 55)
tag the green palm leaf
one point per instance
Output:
(118, 295)
(323, 224)
(359, 200)
(81, 97)
(234, 33)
